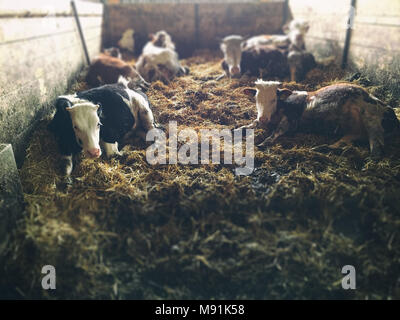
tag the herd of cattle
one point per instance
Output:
(117, 104)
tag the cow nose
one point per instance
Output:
(235, 70)
(94, 153)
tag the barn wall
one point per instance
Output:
(40, 52)
(327, 25)
(192, 25)
(375, 37)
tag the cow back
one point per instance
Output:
(265, 60)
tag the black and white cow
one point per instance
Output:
(103, 114)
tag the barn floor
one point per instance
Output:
(126, 229)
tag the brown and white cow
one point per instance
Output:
(295, 32)
(263, 60)
(106, 69)
(342, 110)
(127, 40)
(159, 60)
(113, 52)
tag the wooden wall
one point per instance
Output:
(192, 25)
(376, 34)
(327, 24)
(40, 51)
(375, 37)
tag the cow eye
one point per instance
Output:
(76, 128)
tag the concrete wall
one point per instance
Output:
(192, 25)
(40, 52)
(375, 37)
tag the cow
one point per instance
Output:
(263, 60)
(295, 32)
(113, 52)
(105, 114)
(300, 63)
(127, 40)
(231, 47)
(159, 60)
(341, 110)
(106, 69)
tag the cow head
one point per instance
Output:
(86, 125)
(136, 81)
(297, 25)
(162, 39)
(231, 46)
(113, 52)
(266, 94)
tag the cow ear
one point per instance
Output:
(285, 27)
(250, 92)
(283, 94)
(62, 104)
(99, 110)
(151, 36)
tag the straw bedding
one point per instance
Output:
(128, 229)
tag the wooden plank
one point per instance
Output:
(328, 22)
(40, 8)
(387, 38)
(13, 30)
(214, 20)
(221, 19)
(393, 21)
(147, 18)
(376, 33)
(322, 8)
(36, 67)
(384, 8)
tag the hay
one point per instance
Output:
(126, 229)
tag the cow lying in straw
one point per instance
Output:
(343, 110)
(105, 114)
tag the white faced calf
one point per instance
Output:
(345, 111)
(295, 30)
(106, 114)
(266, 101)
(231, 47)
(159, 60)
(86, 125)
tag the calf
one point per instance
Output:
(295, 33)
(113, 52)
(159, 60)
(106, 69)
(127, 41)
(266, 61)
(340, 110)
(231, 47)
(262, 60)
(300, 63)
(106, 113)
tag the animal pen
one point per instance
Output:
(126, 228)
